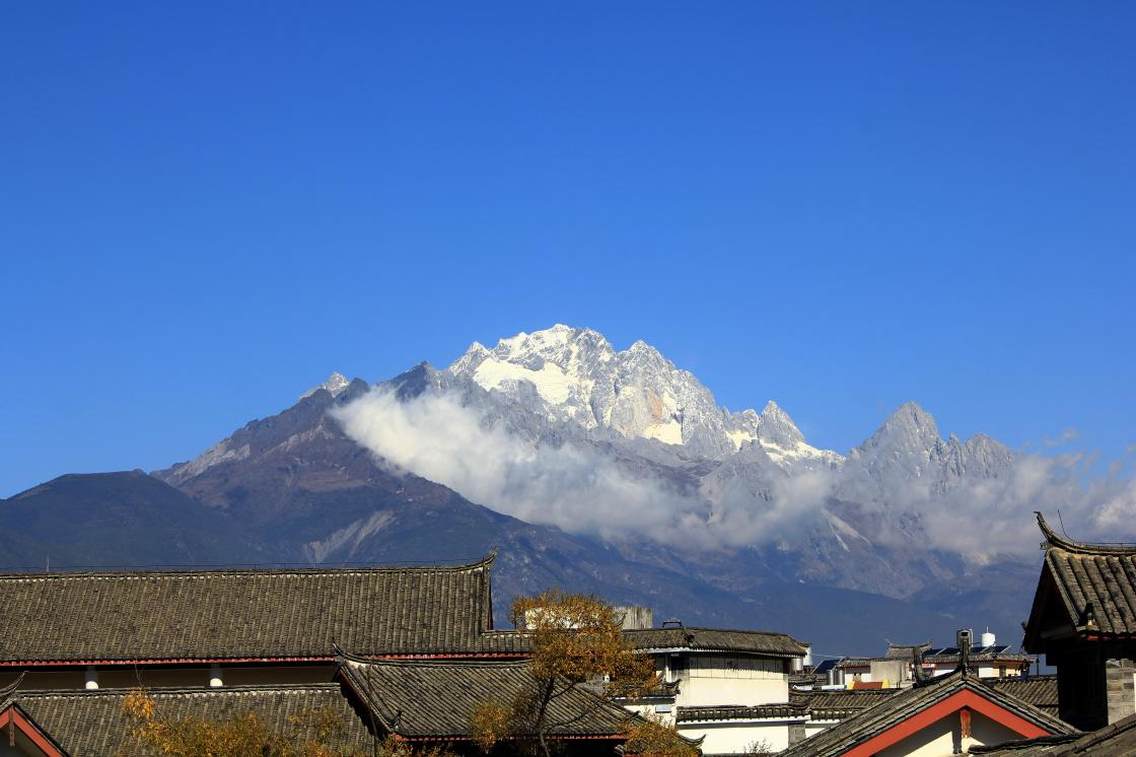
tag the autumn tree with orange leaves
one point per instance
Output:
(576, 640)
(312, 733)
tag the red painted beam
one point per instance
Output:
(31, 730)
(940, 710)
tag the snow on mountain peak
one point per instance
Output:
(637, 392)
(335, 384)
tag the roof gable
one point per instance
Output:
(14, 721)
(900, 716)
(190, 616)
(1116, 739)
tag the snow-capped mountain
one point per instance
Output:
(616, 471)
(334, 385)
(574, 375)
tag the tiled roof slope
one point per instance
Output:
(434, 699)
(893, 710)
(246, 614)
(740, 712)
(904, 651)
(837, 705)
(1096, 584)
(717, 640)
(1040, 691)
(93, 724)
(1111, 741)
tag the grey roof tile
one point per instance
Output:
(436, 699)
(247, 614)
(717, 639)
(93, 723)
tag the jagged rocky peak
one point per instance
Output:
(575, 375)
(910, 425)
(908, 444)
(334, 385)
(775, 425)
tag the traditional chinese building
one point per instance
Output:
(1083, 620)
(728, 688)
(935, 717)
(418, 702)
(240, 627)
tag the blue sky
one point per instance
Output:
(840, 206)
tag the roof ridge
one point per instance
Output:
(432, 663)
(132, 573)
(725, 630)
(266, 688)
(1056, 541)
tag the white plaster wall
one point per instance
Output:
(708, 692)
(985, 731)
(736, 738)
(711, 680)
(938, 740)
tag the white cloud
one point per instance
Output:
(438, 438)
(583, 490)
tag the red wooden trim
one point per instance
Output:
(31, 730)
(549, 736)
(940, 710)
(235, 660)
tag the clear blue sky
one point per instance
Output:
(841, 206)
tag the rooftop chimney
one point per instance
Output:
(962, 641)
(636, 617)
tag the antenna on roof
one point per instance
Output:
(1061, 523)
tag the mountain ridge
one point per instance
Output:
(789, 527)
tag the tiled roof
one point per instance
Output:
(246, 614)
(740, 712)
(1096, 584)
(837, 705)
(93, 724)
(904, 651)
(855, 662)
(435, 699)
(891, 711)
(718, 640)
(1110, 741)
(1040, 691)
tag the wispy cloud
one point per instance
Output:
(584, 490)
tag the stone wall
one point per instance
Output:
(1120, 688)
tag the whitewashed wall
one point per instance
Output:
(734, 737)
